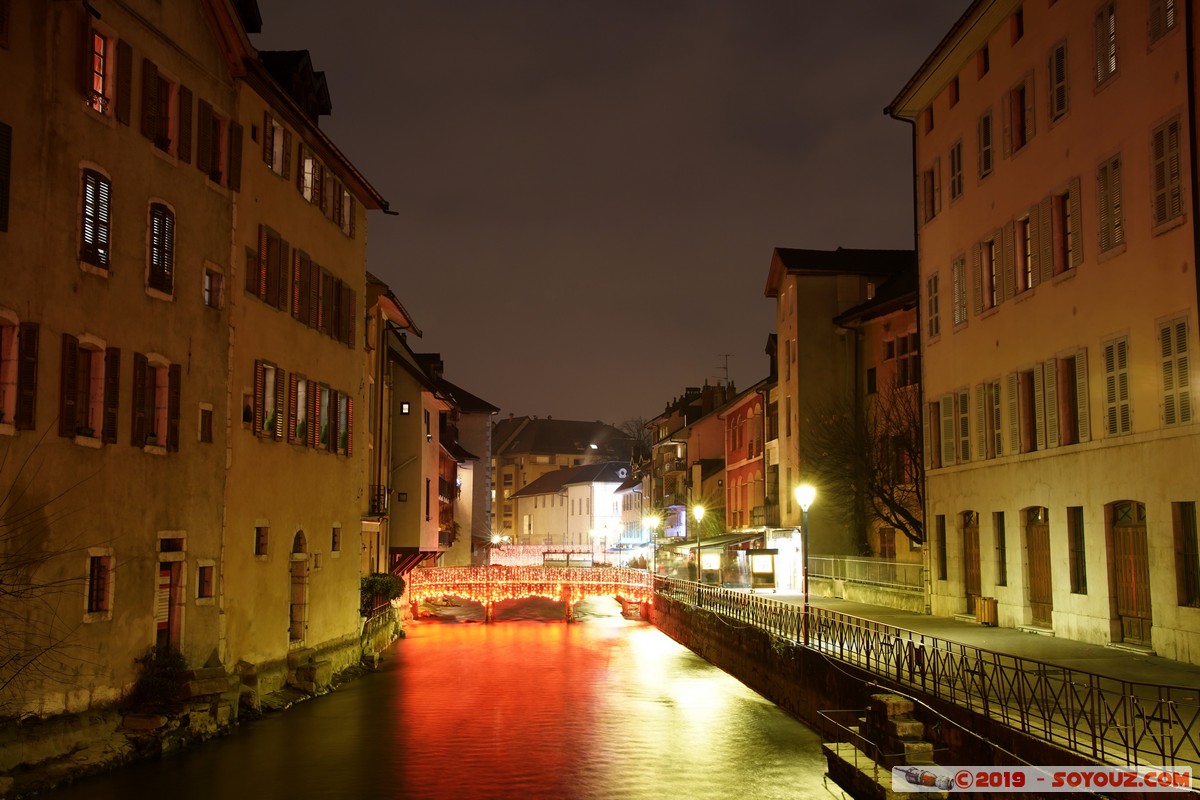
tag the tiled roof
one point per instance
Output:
(556, 481)
(533, 435)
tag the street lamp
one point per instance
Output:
(652, 521)
(698, 513)
(805, 494)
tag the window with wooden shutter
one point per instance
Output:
(1008, 271)
(315, 287)
(1012, 396)
(1083, 432)
(982, 447)
(292, 408)
(1050, 383)
(25, 415)
(1161, 19)
(1118, 418)
(1165, 171)
(963, 425)
(94, 229)
(156, 106)
(260, 390)
(959, 289)
(314, 413)
(5, 173)
(112, 394)
(204, 137)
(985, 144)
(184, 150)
(946, 430)
(335, 421)
(140, 420)
(349, 426)
(1038, 417)
(1108, 180)
(174, 392)
(1176, 374)
(162, 248)
(68, 390)
(280, 407)
(1106, 42)
(283, 269)
(1058, 81)
(323, 418)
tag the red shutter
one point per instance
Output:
(268, 139)
(322, 310)
(291, 407)
(27, 355)
(280, 397)
(137, 435)
(185, 125)
(204, 142)
(112, 394)
(260, 384)
(124, 89)
(149, 99)
(235, 156)
(174, 390)
(349, 426)
(314, 413)
(67, 388)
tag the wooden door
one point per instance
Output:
(971, 580)
(1132, 572)
(1041, 583)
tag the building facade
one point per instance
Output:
(1056, 212)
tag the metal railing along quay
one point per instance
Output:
(868, 571)
(1101, 717)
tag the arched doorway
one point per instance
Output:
(298, 609)
(972, 585)
(1037, 551)
(1130, 571)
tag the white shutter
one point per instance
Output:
(1039, 406)
(1050, 371)
(1177, 406)
(1012, 382)
(981, 448)
(1083, 422)
(946, 429)
(964, 426)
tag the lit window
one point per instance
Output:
(97, 200)
(214, 287)
(100, 60)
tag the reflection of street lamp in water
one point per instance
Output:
(805, 494)
(698, 513)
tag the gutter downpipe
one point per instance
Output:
(890, 111)
(1193, 170)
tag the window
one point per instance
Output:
(205, 428)
(99, 81)
(1187, 553)
(942, 421)
(985, 144)
(99, 584)
(956, 170)
(984, 61)
(933, 321)
(953, 92)
(1106, 42)
(157, 95)
(889, 349)
(1026, 413)
(1064, 210)
(206, 581)
(1017, 25)
(1076, 550)
(97, 206)
(887, 543)
(1161, 18)
(1168, 192)
(323, 418)
(928, 118)
(931, 190)
(1118, 420)
(162, 248)
(1070, 377)
(871, 381)
(1001, 549)
(4, 23)
(987, 420)
(990, 266)
(214, 287)
(963, 404)
(345, 442)
(939, 532)
(261, 533)
(268, 401)
(218, 147)
(959, 288)
(156, 392)
(335, 542)
(298, 404)
(277, 147)
(5, 172)
(908, 365)
(267, 271)
(18, 372)
(1108, 179)
(1058, 81)
(1173, 349)
(1024, 253)
(89, 389)
(1018, 116)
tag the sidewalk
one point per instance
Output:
(1107, 661)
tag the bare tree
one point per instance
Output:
(867, 456)
(635, 428)
(36, 626)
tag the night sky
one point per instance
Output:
(589, 192)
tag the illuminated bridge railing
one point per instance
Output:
(495, 583)
(1100, 717)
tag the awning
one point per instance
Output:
(723, 540)
(405, 559)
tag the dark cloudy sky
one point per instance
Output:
(589, 191)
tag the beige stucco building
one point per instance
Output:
(113, 342)
(1056, 213)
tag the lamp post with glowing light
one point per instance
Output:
(651, 523)
(805, 494)
(698, 513)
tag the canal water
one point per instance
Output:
(527, 708)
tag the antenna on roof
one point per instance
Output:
(725, 367)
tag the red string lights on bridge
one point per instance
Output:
(496, 583)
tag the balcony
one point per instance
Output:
(377, 499)
(765, 516)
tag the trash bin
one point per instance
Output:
(985, 611)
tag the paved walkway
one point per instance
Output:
(1107, 661)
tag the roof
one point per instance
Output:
(466, 402)
(897, 292)
(559, 479)
(548, 435)
(842, 261)
(391, 304)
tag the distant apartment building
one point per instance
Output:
(525, 448)
(1057, 247)
(573, 506)
(817, 365)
